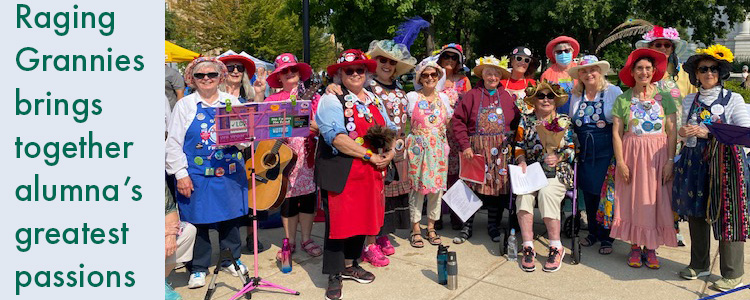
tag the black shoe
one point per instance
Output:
(439, 224)
(494, 233)
(249, 243)
(356, 273)
(334, 289)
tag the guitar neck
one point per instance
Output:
(276, 147)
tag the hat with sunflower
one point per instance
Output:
(718, 53)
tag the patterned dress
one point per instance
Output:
(427, 144)
(529, 145)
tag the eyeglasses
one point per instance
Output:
(287, 70)
(541, 96)
(705, 69)
(558, 52)
(524, 59)
(359, 71)
(239, 68)
(211, 75)
(666, 45)
(450, 56)
(384, 60)
(434, 75)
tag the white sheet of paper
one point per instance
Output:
(529, 182)
(462, 200)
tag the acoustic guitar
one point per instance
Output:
(273, 162)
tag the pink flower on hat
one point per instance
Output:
(659, 32)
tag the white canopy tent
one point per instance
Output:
(258, 63)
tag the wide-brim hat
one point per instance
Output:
(660, 65)
(284, 61)
(492, 62)
(393, 51)
(190, 80)
(247, 62)
(561, 39)
(454, 48)
(718, 53)
(430, 61)
(349, 58)
(589, 61)
(661, 33)
(560, 95)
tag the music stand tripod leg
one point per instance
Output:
(225, 254)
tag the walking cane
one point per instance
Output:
(710, 270)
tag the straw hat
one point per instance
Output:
(190, 80)
(560, 95)
(492, 62)
(589, 61)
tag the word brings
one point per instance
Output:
(49, 106)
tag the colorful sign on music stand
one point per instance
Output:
(263, 121)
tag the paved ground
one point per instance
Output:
(482, 273)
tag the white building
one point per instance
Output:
(738, 39)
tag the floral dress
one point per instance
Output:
(529, 145)
(427, 144)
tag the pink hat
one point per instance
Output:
(284, 61)
(561, 39)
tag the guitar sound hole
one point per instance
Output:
(270, 160)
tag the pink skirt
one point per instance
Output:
(643, 208)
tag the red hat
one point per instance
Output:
(248, 63)
(352, 57)
(284, 61)
(561, 39)
(660, 65)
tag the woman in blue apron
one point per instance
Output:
(211, 180)
(711, 179)
(591, 110)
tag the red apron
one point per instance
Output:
(359, 208)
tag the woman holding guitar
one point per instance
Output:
(299, 205)
(349, 174)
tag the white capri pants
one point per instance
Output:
(185, 243)
(549, 197)
(416, 201)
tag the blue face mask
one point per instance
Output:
(564, 58)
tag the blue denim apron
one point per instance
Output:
(595, 143)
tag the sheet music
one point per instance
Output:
(462, 200)
(529, 182)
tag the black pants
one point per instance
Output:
(596, 230)
(305, 204)
(495, 205)
(731, 254)
(335, 251)
(229, 237)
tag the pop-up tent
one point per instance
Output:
(174, 53)
(258, 62)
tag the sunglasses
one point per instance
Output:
(523, 59)
(563, 51)
(705, 69)
(211, 75)
(434, 75)
(384, 60)
(359, 71)
(239, 68)
(290, 69)
(541, 96)
(662, 45)
(450, 56)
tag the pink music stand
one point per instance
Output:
(238, 134)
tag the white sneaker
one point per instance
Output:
(230, 269)
(197, 280)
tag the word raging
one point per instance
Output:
(73, 279)
(62, 20)
(52, 150)
(49, 106)
(65, 62)
(85, 235)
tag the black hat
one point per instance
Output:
(523, 51)
(718, 53)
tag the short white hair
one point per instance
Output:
(340, 73)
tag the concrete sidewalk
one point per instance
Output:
(482, 273)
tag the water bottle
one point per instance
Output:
(286, 257)
(693, 140)
(452, 270)
(512, 246)
(442, 264)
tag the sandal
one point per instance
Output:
(434, 240)
(311, 248)
(464, 235)
(605, 248)
(589, 241)
(416, 243)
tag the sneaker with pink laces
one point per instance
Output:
(652, 262)
(373, 256)
(385, 245)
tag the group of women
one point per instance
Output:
(623, 143)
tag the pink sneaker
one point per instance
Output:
(385, 245)
(373, 256)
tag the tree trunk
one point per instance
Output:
(430, 40)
